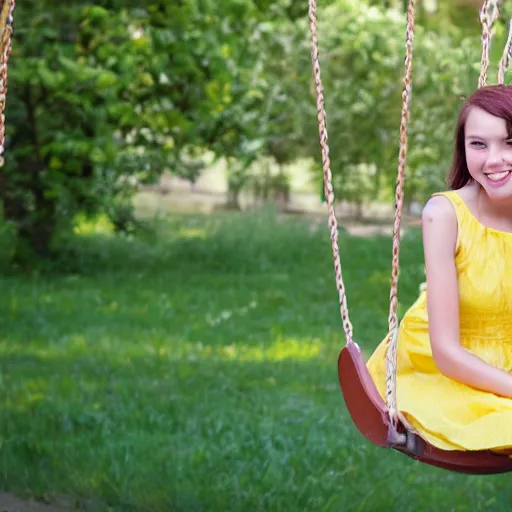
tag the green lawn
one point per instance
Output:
(196, 371)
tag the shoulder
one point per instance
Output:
(439, 208)
(440, 224)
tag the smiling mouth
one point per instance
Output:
(497, 176)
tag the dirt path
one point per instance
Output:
(379, 218)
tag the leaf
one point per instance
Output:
(96, 13)
(106, 80)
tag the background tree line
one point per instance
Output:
(106, 95)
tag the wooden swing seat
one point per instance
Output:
(369, 414)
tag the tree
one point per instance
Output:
(76, 76)
(105, 96)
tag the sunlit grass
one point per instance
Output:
(104, 348)
(196, 371)
(100, 224)
(193, 233)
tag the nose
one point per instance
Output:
(496, 157)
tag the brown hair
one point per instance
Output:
(494, 99)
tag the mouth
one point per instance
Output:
(499, 178)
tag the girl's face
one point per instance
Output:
(489, 153)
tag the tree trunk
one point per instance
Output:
(26, 205)
(233, 199)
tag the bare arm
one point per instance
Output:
(453, 360)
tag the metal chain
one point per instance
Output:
(489, 13)
(327, 175)
(6, 28)
(391, 352)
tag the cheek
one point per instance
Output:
(475, 159)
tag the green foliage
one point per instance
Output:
(362, 53)
(107, 96)
(72, 87)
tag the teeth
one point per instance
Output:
(498, 176)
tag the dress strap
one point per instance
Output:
(454, 198)
(460, 207)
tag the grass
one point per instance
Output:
(196, 371)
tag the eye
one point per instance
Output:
(478, 144)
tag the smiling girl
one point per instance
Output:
(454, 380)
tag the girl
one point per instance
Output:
(454, 376)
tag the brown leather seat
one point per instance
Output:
(369, 413)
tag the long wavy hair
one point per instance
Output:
(494, 99)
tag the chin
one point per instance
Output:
(499, 194)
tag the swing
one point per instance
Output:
(379, 421)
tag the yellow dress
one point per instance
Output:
(446, 413)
